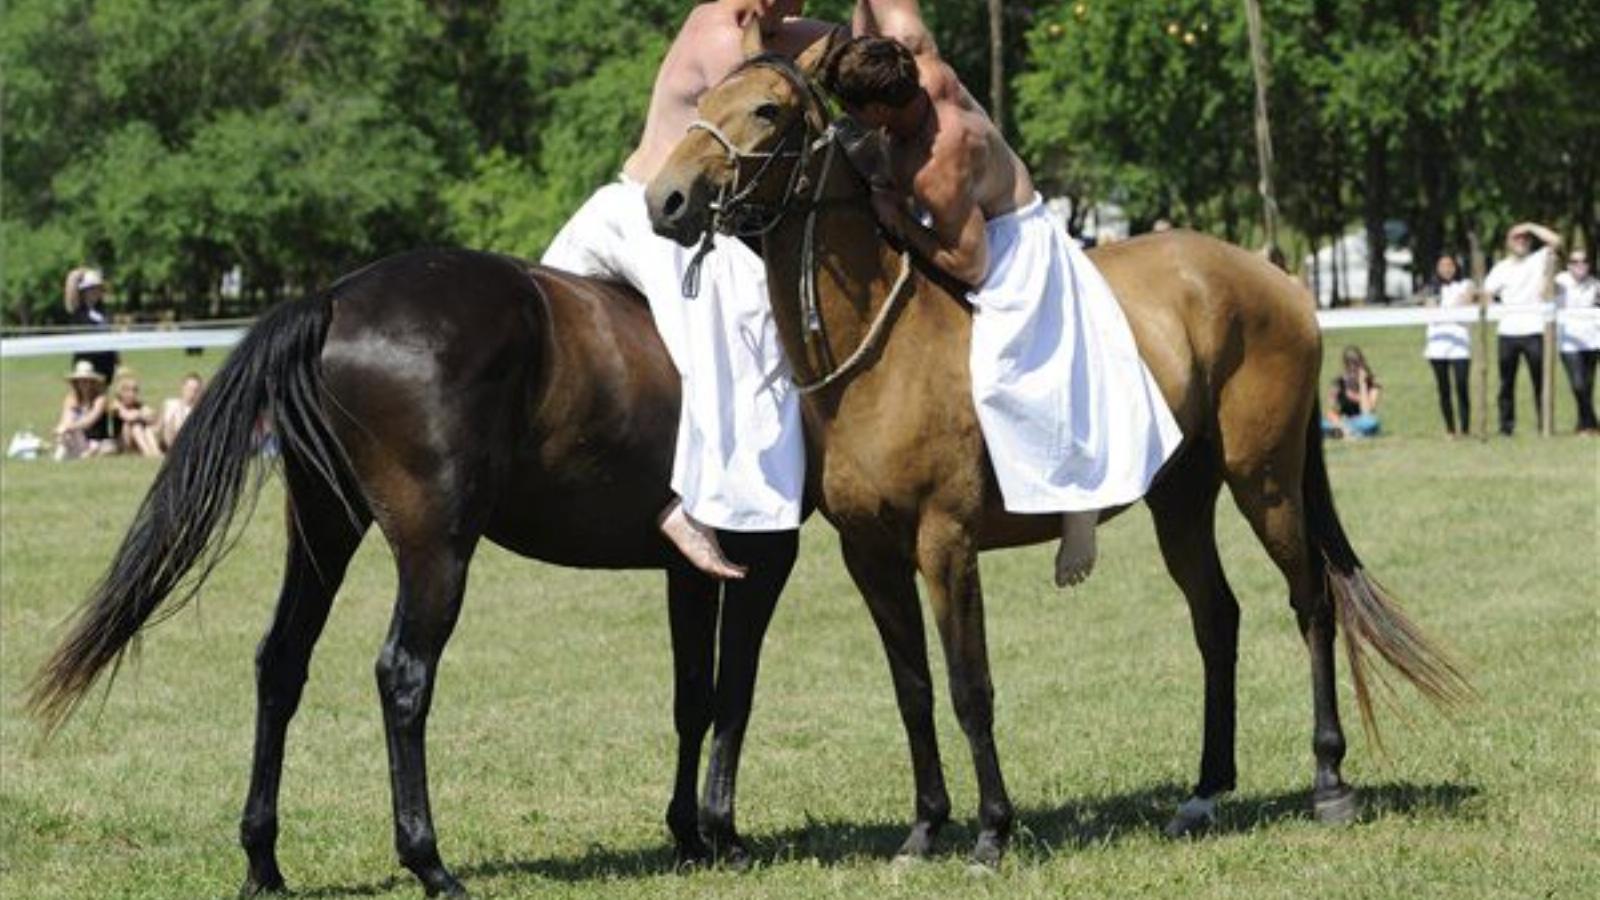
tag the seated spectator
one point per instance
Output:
(133, 420)
(175, 411)
(1353, 399)
(1448, 346)
(1578, 294)
(84, 428)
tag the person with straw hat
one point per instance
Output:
(84, 428)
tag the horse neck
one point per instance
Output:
(854, 269)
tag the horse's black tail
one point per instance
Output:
(183, 527)
(1368, 615)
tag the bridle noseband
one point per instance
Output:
(734, 213)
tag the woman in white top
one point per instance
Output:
(1449, 345)
(1519, 283)
(1578, 295)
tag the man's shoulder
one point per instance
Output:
(710, 40)
(938, 78)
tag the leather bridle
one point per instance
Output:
(735, 213)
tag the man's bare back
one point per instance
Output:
(711, 44)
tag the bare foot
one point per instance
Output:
(696, 542)
(1075, 559)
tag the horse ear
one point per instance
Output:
(811, 59)
(752, 43)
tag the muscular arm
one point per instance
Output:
(957, 242)
(898, 19)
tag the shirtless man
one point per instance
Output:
(1073, 420)
(739, 460)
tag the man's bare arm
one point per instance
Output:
(898, 19)
(1548, 236)
(958, 242)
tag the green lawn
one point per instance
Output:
(551, 744)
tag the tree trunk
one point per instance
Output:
(997, 65)
(1375, 211)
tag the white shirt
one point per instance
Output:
(1580, 307)
(1451, 340)
(1519, 282)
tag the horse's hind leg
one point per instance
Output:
(1268, 492)
(322, 538)
(432, 556)
(747, 607)
(1184, 508)
(692, 614)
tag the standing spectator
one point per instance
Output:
(1449, 345)
(132, 419)
(84, 428)
(1353, 399)
(84, 296)
(175, 411)
(1576, 292)
(1519, 282)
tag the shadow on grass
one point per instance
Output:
(1040, 832)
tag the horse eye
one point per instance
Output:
(768, 111)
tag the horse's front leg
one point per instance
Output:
(747, 607)
(888, 584)
(692, 613)
(948, 559)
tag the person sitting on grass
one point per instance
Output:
(1353, 399)
(133, 420)
(84, 428)
(175, 410)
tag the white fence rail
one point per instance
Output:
(169, 338)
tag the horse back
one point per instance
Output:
(1207, 315)
(534, 407)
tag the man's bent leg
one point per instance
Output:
(1075, 559)
(697, 542)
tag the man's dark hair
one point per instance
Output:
(871, 70)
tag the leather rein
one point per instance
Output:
(736, 214)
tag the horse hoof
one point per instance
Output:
(986, 854)
(1194, 817)
(735, 855)
(690, 853)
(919, 843)
(1340, 807)
(266, 888)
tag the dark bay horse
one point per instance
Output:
(897, 462)
(448, 396)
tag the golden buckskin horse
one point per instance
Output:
(448, 396)
(897, 462)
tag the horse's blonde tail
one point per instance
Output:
(1367, 613)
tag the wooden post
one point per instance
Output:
(1547, 396)
(997, 65)
(1478, 273)
(1258, 66)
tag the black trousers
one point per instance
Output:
(1530, 347)
(1443, 371)
(1580, 371)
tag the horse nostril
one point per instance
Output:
(674, 205)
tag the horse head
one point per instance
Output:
(745, 158)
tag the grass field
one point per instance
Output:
(551, 740)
